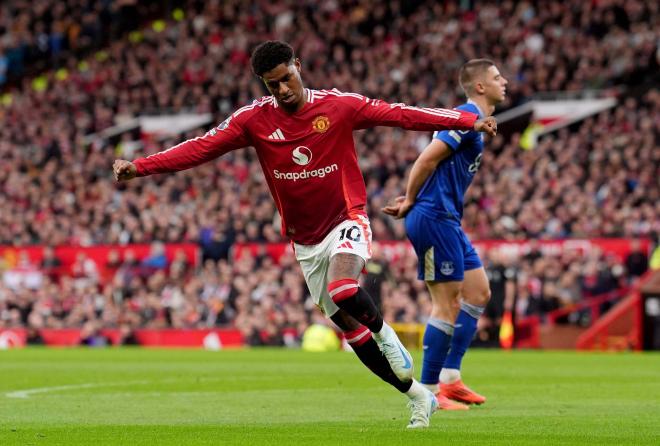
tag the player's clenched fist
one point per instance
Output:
(487, 125)
(124, 170)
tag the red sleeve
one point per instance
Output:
(374, 112)
(228, 136)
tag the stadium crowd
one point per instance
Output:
(608, 167)
(39, 34)
(267, 300)
(57, 188)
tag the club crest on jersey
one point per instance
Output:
(302, 155)
(447, 268)
(321, 124)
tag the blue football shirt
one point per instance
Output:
(442, 194)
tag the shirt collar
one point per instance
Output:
(481, 113)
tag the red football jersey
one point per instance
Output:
(308, 157)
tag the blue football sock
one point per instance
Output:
(437, 337)
(464, 330)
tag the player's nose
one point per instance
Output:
(283, 89)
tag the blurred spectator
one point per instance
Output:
(35, 322)
(180, 266)
(127, 335)
(25, 274)
(501, 273)
(91, 335)
(376, 273)
(129, 269)
(84, 271)
(50, 263)
(112, 263)
(156, 259)
(637, 262)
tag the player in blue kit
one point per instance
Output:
(450, 266)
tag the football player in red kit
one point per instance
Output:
(304, 142)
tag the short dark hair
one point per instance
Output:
(471, 70)
(270, 54)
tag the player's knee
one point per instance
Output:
(342, 289)
(446, 302)
(478, 297)
(484, 296)
(454, 296)
(447, 312)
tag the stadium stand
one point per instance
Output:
(57, 189)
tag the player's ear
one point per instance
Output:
(479, 87)
(297, 64)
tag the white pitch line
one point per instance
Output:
(28, 392)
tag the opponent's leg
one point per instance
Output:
(475, 296)
(438, 335)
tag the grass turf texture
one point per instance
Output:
(262, 396)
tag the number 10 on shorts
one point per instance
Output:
(352, 233)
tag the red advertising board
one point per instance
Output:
(393, 250)
(190, 338)
(213, 339)
(10, 255)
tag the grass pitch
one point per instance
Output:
(267, 397)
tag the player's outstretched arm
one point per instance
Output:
(423, 167)
(486, 125)
(124, 170)
(369, 113)
(229, 135)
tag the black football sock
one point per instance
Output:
(348, 296)
(367, 350)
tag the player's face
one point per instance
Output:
(495, 85)
(285, 85)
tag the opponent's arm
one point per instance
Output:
(423, 167)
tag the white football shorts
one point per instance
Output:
(350, 236)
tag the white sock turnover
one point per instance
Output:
(448, 376)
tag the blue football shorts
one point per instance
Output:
(443, 250)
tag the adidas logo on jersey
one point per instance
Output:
(277, 134)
